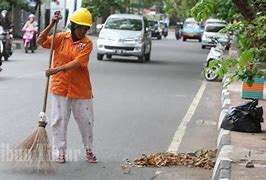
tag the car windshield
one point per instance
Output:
(124, 24)
(214, 28)
(191, 24)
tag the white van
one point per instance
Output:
(124, 35)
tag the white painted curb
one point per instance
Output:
(222, 115)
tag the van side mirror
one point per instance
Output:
(147, 29)
(99, 27)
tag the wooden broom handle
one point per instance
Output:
(50, 63)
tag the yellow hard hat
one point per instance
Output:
(82, 16)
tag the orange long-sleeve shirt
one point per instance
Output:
(74, 83)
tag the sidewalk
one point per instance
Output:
(235, 149)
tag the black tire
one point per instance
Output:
(159, 37)
(109, 56)
(203, 47)
(148, 56)
(184, 39)
(209, 74)
(199, 39)
(26, 48)
(99, 57)
(6, 57)
(32, 48)
(142, 57)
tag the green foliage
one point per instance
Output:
(222, 9)
(179, 8)
(4, 4)
(245, 68)
(103, 8)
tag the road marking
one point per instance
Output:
(177, 139)
(174, 146)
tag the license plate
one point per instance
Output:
(190, 35)
(119, 51)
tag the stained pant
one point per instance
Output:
(83, 114)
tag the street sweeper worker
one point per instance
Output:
(71, 87)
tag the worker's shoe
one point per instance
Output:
(90, 157)
(60, 158)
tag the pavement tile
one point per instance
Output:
(247, 146)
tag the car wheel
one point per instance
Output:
(159, 37)
(199, 39)
(148, 56)
(109, 56)
(99, 57)
(6, 57)
(203, 46)
(142, 57)
(184, 39)
(210, 74)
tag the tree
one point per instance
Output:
(222, 9)
(179, 8)
(226, 9)
(4, 4)
(103, 8)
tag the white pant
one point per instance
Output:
(83, 114)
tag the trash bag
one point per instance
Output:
(244, 118)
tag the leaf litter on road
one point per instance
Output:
(201, 158)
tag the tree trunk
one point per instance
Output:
(245, 9)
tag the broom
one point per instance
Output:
(35, 149)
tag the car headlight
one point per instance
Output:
(101, 36)
(138, 39)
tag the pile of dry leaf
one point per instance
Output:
(202, 158)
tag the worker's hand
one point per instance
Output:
(57, 16)
(51, 71)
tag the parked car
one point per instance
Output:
(156, 30)
(124, 35)
(213, 20)
(191, 30)
(212, 30)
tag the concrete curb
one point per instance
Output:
(222, 169)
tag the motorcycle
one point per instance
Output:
(28, 40)
(6, 46)
(216, 53)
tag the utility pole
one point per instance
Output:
(39, 17)
(75, 5)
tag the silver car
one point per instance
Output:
(124, 35)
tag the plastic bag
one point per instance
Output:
(244, 118)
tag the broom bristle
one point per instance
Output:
(34, 151)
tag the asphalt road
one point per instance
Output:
(138, 109)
